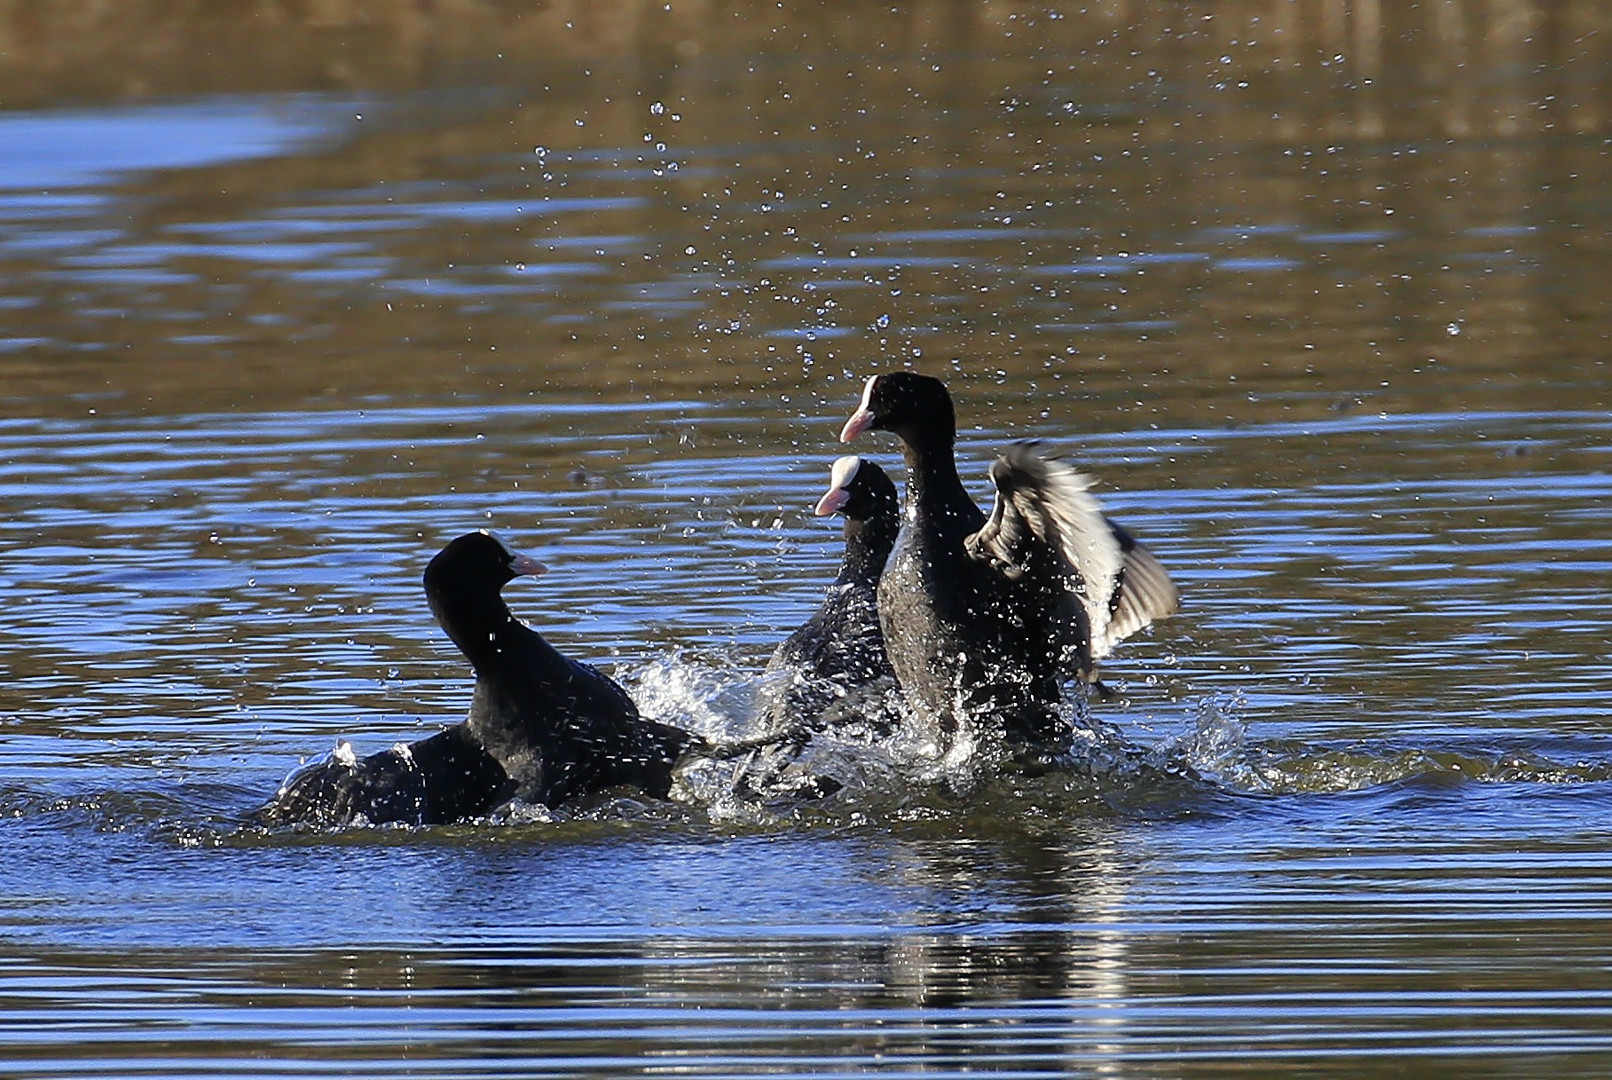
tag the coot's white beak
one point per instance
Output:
(858, 424)
(862, 419)
(518, 563)
(832, 502)
(839, 485)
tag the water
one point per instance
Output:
(1323, 307)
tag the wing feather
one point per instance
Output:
(1044, 509)
(1143, 593)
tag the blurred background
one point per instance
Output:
(286, 202)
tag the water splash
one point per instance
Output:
(856, 775)
(1220, 749)
(1216, 747)
(701, 697)
(871, 756)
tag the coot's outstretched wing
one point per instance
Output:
(1046, 525)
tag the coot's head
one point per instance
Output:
(914, 407)
(478, 561)
(860, 490)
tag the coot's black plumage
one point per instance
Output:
(832, 672)
(542, 727)
(445, 778)
(561, 729)
(840, 649)
(986, 617)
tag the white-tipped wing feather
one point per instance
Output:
(1045, 512)
(1145, 593)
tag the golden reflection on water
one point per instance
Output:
(1186, 209)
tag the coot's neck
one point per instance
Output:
(867, 547)
(931, 464)
(482, 625)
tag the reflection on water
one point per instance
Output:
(84, 148)
(1151, 205)
(1319, 295)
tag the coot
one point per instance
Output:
(832, 672)
(984, 618)
(542, 727)
(444, 778)
(840, 648)
(560, 728)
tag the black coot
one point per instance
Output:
(840, 648)
(561, 729)
(542, 727)
(832, 672)
(986, 617)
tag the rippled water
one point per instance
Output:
(1331, 333)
